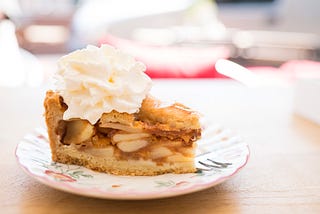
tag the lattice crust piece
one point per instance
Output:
(160, 138)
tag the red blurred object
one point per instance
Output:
(301, 68)
(292, 70)
(173, 61)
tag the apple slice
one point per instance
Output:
(132, 146)
(78, 131)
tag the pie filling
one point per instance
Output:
(131, 139)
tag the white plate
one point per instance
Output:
(219, 144)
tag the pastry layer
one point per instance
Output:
(153, 141)
(104, 163)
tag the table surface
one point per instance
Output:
(282, 175)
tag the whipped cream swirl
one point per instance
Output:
(93, 81)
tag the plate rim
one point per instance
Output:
(65, 187)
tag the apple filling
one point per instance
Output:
(129, 140)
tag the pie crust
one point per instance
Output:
(160, 138)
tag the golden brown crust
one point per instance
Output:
(54, 109)
(173, 115)
(173, 120)
(116, 117)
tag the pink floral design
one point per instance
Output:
(60, 176)
(181, 183)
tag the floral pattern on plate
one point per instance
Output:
(218, 144)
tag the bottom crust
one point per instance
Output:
(103, 163)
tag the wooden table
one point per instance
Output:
(282, 176)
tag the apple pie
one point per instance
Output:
(159, 138)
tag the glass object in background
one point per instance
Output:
(17, 66)
(307, 98)
(11, 73)
(44, 26)
(53, 8)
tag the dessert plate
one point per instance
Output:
(217, 144)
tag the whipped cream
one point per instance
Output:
(93, 81)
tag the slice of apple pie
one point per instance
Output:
(157, 139)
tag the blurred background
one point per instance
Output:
(175, 39)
